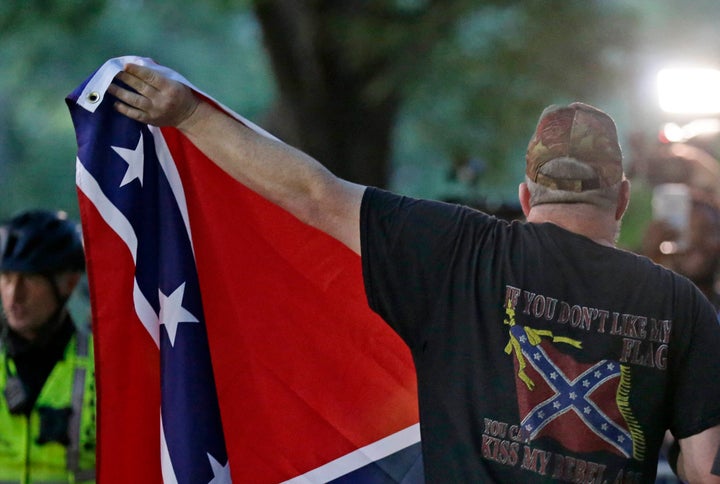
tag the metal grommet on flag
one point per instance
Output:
(93, 97)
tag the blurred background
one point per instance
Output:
(432, 98)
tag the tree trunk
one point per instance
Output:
(325, 107)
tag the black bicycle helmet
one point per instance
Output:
(41, 242)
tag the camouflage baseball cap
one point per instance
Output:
(580, 132)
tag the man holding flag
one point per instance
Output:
(542, 351)
(233, 342)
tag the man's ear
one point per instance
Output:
(623, 199)
(524, 197)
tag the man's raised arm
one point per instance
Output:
(278, 172)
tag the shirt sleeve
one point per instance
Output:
(411, 253)
(696, 371)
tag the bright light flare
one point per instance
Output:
(689, 91)
(675, 133)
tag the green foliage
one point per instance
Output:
(68, 14)
(473, 77)
(481, 91)
(50, 47)
(637, 217)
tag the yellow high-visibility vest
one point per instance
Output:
(68, 393)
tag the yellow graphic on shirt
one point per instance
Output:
(622, 398)
(534, 338)
(630, 439)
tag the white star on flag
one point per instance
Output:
(135, 160)
(172, 313)
(221, 473)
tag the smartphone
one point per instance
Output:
(671, 203)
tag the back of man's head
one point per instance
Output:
(574, 157)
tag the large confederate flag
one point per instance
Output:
(233, 343)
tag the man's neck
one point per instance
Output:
(583, 219)
(20, 343)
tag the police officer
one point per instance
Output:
(47, 411)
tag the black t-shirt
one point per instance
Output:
(540, 354)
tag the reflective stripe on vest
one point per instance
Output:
(78, 391)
